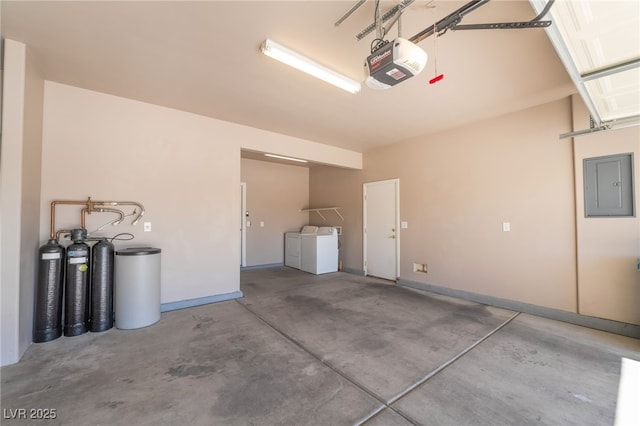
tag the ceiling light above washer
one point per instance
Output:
(282, 157)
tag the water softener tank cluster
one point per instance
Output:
(81, 279)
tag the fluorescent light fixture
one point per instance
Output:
(282, 157)
(304, 64)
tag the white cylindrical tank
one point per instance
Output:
(137, 287)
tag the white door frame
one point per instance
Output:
(243, 224)
(396, 181)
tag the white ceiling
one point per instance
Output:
(204, 57)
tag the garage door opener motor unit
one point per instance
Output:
(394, 62)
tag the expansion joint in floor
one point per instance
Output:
(433, 373)
(384, 403)
(351, 380)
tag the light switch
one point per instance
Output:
(404, 224)
(147, 227)
(248, 224)
(261, 224)
(506, 226)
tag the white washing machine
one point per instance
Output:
(319, 251)
(292, 246)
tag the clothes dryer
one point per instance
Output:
(319, 251)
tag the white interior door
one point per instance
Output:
(381, 237)
(243, 224)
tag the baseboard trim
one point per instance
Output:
(190, 303)
(353, 271)
(268, 265)
(616, 327)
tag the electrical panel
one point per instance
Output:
(608, 186)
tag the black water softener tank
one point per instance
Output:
(76, 310)
(49, 289)
(102, 264)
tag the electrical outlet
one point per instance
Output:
(420, 267)
(147, 227)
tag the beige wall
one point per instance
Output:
(334, 187)
(20, 184)
(608, 248)
(456, 190)
(31, 188)
(458, 187)
(184, 168)
(275, 195)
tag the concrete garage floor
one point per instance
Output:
(335, 349)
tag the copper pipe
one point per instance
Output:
(114, 222)
(108, 210)
(54, 203)
(125, 203)
(91, 206)
(60, 232)
(83, 219)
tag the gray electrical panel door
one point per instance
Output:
(608, 186)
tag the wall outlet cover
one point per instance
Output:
(420, 267)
